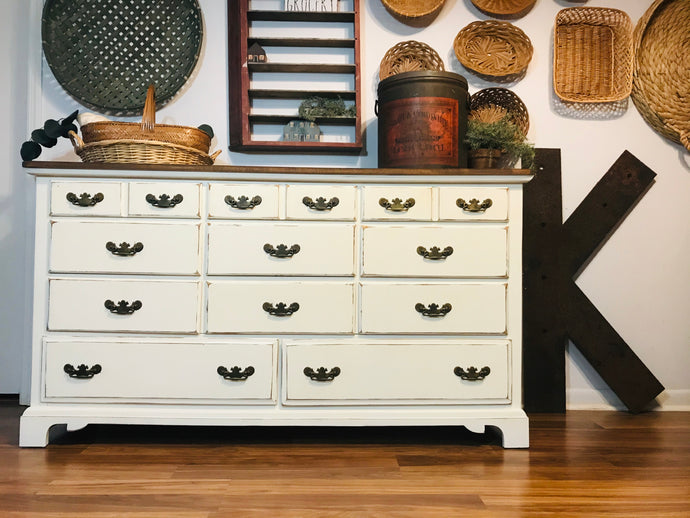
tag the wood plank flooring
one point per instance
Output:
(582, 464)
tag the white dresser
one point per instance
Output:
(226, 297)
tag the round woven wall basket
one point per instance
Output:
(493, 49)
(105, 53)
(494, 104)
(508, 8)
(417, 13)
(409, 56)
(661, 69)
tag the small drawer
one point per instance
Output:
(280, 249)
(473, 204)
(127, 370)
(162, 199)
(434, 251)
(124, 306)
(132, 247)
(416, 308)
(243, 201)
(397, 202)
(85, 199)
(280, 307)
(396, 373)
(323, 202)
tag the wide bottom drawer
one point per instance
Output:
(390, 373)
(128, 370)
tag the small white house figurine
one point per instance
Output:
(256, 54)
(311, 5)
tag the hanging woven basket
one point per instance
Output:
(493, 49)
(409, 56)
(494, 104)
(661, 71)
(417, 13)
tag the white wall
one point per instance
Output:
(13, 192)
(639, 280)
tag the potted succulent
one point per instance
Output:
(497, 143)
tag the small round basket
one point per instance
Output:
(417, 13)
(409, 56)
(511, 8)
(661, 74)
(493, 49)
(494, 104)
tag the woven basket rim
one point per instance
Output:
(487, 7)
(641, 95)
(392, 6)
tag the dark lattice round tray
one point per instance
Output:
(105, 53)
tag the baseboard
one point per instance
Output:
(604, 399)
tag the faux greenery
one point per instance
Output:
(316, 106)
(503, 135)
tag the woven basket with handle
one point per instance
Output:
(143, 143)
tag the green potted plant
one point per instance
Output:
(497, 143)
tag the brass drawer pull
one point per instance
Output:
(434, 310)
(123, 307)
(320, 204)
(235, 373)
(472, 374)
(435, 253)
(321, 374)
(84, 199)
(124, 249)
(164, 201)
(281, 309)
(396, 204)
(474, 205)
(243, 202)
(281, 251)
(82, 371)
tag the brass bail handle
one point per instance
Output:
(148, 119)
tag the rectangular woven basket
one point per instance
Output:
(593, 56)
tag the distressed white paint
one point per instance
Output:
(638, 280)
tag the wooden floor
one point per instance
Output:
(601, 464)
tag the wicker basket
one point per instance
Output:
(409, 56)
(592, 54)
(510, 8)
(661, 74)
(493, 49)
(414, 12)
(497, 103)
(143, 143)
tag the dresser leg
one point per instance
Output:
(34, 431)
(515, 433)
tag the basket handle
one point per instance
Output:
(148, 119)
(76, 140)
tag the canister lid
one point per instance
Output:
(421, 76)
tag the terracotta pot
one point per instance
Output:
(484, 158)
